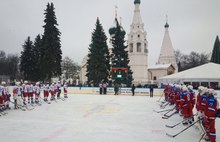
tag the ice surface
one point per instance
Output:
(95, 118)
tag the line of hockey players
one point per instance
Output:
(205, 102)
(30, 93)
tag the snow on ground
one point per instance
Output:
(95, 118)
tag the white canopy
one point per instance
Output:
(209, 72)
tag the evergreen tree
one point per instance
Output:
(26, 59)
(51, 54)
(36, 56)
(98, 66)
(216, 52)
(120, 55)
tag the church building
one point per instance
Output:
(137, 47)
(138, 53)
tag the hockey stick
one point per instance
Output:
(172, 136)
(18, 106)
(45, 101)
(3, 113)
(63, 99)
(163, 106)
(160, 97)
(203, 135)
(169, 111)
(31, 104)
(168, 116)
(25, 106)
(172, 126)
(162, 110)
(203, 129)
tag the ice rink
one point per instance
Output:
(95, 118)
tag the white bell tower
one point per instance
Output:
(167, 53)
(137, 48)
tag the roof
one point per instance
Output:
(159, 66)
(206, 71)
(137, 1)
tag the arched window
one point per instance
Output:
(145, 48)
(131, 48)
(138, 47)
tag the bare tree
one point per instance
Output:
(9, 64)
(70, 68)
(194, 59)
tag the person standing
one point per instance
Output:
(65, 86)
(133, 89)
(59, 89)
(100, 88)
(37, 92)
(1, 98)
(46, 89)
(116, 89)
(210, 111)
(17, 95)
(151, 91)
(6, 95)
(52, 91)
(105, 88)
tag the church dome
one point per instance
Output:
(166, 25)
(113, 28)
(137, 1)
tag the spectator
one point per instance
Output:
(132, 89)
(151, 91)
(116, 89)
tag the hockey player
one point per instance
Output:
(172, 94)
(25, 92)
(198, 100)
(55, 85)
(65, 86)
(17, 93)
(52, 91)
(210, 112)
(46, 88)
(31, 93)
(186, 105)
(177, 97)
(1, 98)
(59, 89)
(6, 95)
(37, 92)
(200, 111)
(193, 100)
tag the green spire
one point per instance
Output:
(137, 1)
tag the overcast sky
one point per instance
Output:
(194, 24)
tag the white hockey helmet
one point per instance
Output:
(200, 89)
(3, 82)
(18, 83)
(171, 85)
(184, 88)
(190, 87)
(37, 83)
(25, 82)
(211, 91)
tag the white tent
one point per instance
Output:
(209, 72)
